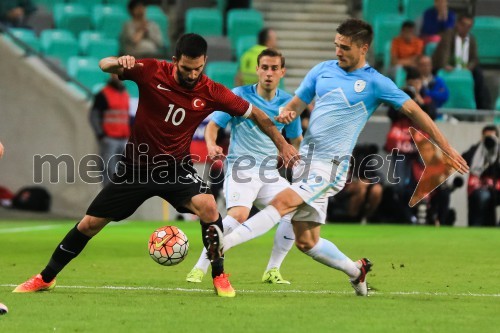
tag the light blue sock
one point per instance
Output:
(328, 254)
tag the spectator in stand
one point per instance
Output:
(458, 50)
(15, 13)
(406, 47)
(399, 141)
(436, 21)
(483, 185)
(267, 39)
(432, 85)
(110, 121)
(140, 37)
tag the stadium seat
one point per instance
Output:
(59, 44)
(223, 72)
(204, 21)
(109, 19)
(243, 22)
(486, 29)
(400, 78)
(461, 86)
(120, 3)
(374, 8)
(27, 36)
(387, 55)
(89, 4)
(386, 27)
(132, 88)
(244, 43)
(72, 17)
(101, 48)
(414, 9)
(87, 36)
(48, 4)
(86, 71)
(430, 48)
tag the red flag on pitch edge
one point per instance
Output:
(436, 171)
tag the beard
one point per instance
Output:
(187, 83)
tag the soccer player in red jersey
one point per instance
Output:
(174, 98)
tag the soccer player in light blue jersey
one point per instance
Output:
(347, 91)
(251, 176)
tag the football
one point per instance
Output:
(168, 246)
(3, 309)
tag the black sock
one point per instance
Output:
(217, 265)
(69, 248)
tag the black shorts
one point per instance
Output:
(130, 188)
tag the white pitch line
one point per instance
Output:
(27, 229)
(283, 291)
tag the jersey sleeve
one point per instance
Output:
(387, 92)
(230, 103)
(294, 129)
(221, 118)
(141, 74)
(307, 89)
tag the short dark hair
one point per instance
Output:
(408, 24)
(134, 3)
(271, 53)
(488, 128)
(263, 36)
(464, 16)
(358, 30)
(412, 73)
(191, 45)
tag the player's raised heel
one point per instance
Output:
(359, 284)
(195, 276)
(215, 240)
(223, 287)
(34, 284)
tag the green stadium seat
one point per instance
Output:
(374, 8)
(89, 4)
(121, 3)
(204, 21)
(387, 55)
(101, 48)
(486, 29)
(87, 36)
(98, 87)
(109, 19)
(461, 86)
(430, 48)
(243, 22)
(386, 27)
(27, 36)
(59, 44)
(132, 88)
(414, 9)
(72, 17)
(244, 43)
(400, 78)
(223, 72)
(86, 71)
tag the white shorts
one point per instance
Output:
(246, 188)
(315, 186)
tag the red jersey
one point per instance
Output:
(168, 114)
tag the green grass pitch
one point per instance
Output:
(424, 279)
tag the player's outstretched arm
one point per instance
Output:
(292, 110)
(215, 152)
(266, 125)
(423, 121)
(116, 65)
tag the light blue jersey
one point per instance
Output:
(344, 102)
(246, 138)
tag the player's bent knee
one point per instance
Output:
(91, 225)
(304, 245)
(208, 212)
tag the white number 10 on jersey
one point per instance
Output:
(177, 116)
